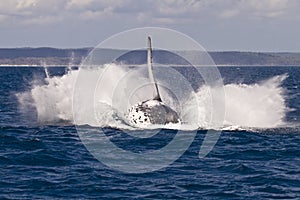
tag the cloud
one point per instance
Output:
(267, 5)
(157, 12)
(176, 7)
(3, 18)
(95, 15)
(229, 13)
(227, 23)
(78, 4)
(201, 10)
(25, 4)
(266, 8)
(30, 12)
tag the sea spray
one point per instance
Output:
(260, 105)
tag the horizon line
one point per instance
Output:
(216, 51)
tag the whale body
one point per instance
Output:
(153, 111)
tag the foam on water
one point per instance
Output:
(259, 105)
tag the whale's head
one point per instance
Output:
(151, 112)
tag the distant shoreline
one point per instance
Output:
(62, 57)
(21, 65)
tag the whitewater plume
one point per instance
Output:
(259, 105)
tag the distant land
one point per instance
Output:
(61, 57)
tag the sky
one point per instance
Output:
(218, 25)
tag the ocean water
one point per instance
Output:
(257, 154)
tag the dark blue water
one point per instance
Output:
(50, 162)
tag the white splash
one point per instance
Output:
(260, 105)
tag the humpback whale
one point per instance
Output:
(153, 111)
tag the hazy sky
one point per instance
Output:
(247, 25)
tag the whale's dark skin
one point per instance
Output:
(152, 112)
